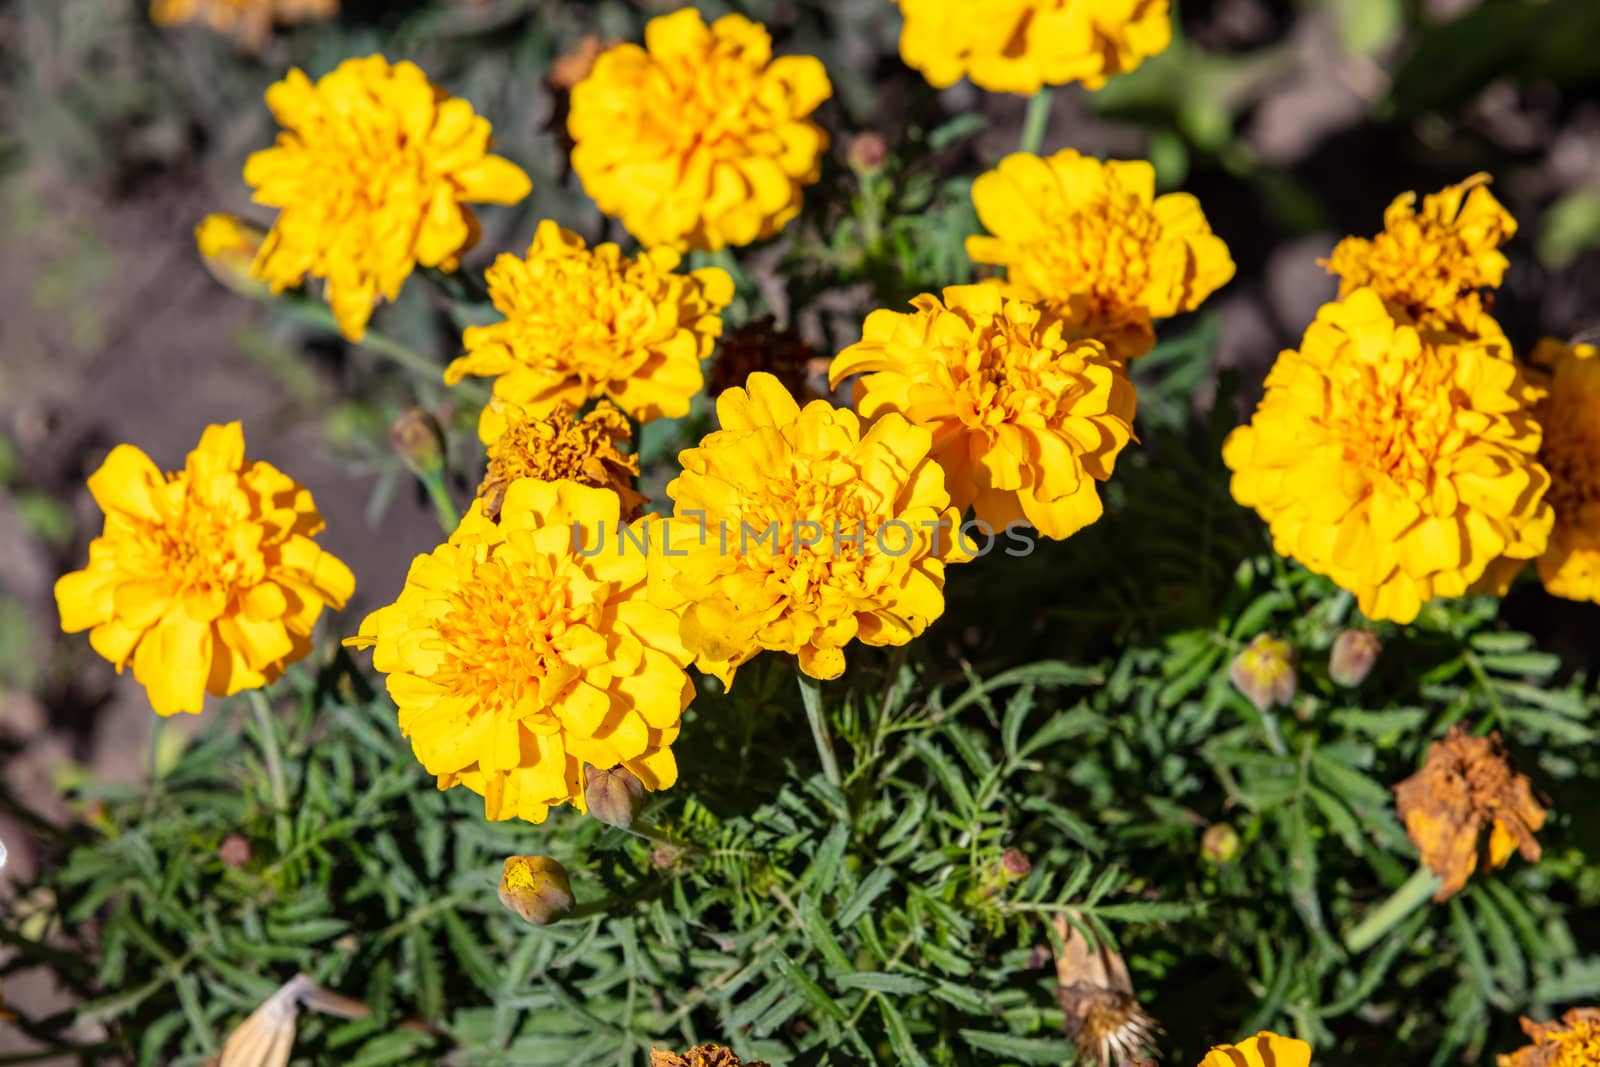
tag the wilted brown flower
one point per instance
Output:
(1103, 1017)
(1466, 784)
(761, 346)
(556, 446)
(700, 1056)
(1571, 1041)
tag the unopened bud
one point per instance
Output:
(228, 247)
(234, 852)
(867, 153)
(1354, 653)
(536, 888)
(419, 439)
(1220, 842)
(614, 796)
(1265, 672)
(1015, 864)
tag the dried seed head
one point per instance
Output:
(1102, 1015)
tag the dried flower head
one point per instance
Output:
(1570, 1041)
(1019, 46)
(701, 1056)
(700, 139)
(1435, 263)
(1466, 785)
(516, 659)
(761, 346)
(1266, 1049)
(1026, 421)
(559, 446)
(584, 323)
(1398, 462)
(1092, 240)
(207, 579)
(799, 530)
(248, 22)
(1102, 1015)
(1265, 672)
(372, 175)
(536, 888)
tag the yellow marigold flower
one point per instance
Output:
(700, 139)
(1025, 420)
(1020, 46)
(1092, 239)
(1570, 1041)
(228, 246)
(797, 531)
(515, 658)
(248, 22)
(1266, 1049)
(1433, 263)
(701, 1056)
(1570, 415)
(1468, 785)
(560, 446)
(372, 175)
(582, 323)
(1398, 463)
(207, 579)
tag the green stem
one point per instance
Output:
(811, 697)
(443, 505)
(274, 759)
(1038, 118)
(1386, 916)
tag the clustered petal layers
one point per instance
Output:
(371, 177)
(517, 658)
(1092, 240)
(581, 324)
(207, 579)
(1020, 46)
(801, 530)
(1398, 462)
(700, 139)
(1025, 421)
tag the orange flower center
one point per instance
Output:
(1102, 247)
(208, 548)
(1397, 427)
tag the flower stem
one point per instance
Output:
(811, 696)
(443, 505)
(273, 756)
(1038, 118)
(1386, 916)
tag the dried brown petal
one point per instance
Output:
(700, 1056)
(1571, 1041)
(761, 346)
(1102, 1015)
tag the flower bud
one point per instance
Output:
(867, 153)
(1015, 864)
(419, 439)
(228, 247)
(1265, 672)
(536, 888)
(1219, 843)
(614, 796)
(1354, 653)
(234, 852)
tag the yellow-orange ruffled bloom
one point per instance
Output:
(228, 246)
(582, 324)
(1570, 416)
(516, 659)
(249, 22)
(1266, 1049)
(207, 579)
(700, 139)
(1020, 46)
(1398, 463)
(1025, 421)
(1434, 263)
(372, 176)
(1093, 240)
(560, 446)
(798, 530)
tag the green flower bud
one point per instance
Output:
(536, 888)
(419, 439)
(1220, 842)
(614, 796)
